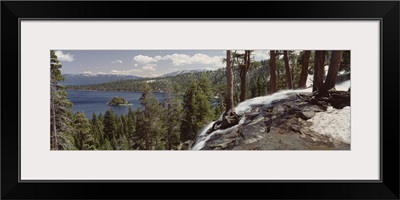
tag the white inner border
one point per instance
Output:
(39, 163)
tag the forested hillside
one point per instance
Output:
(89, 79)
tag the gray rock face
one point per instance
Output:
(230, 120)
(306, 114)
(279, 126)
(277, 110)
(337, 99)
(187, 145)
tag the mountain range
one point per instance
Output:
(183, 72)
(91, 79)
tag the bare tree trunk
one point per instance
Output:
(287, 69)
(229, 85)
(243, 79)
(304, 69)
(272, 71)
(322, 73)
(243, 75)
(293, 75)
(334, 65)
(318, 70)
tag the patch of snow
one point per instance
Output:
(334, 123)
(310, 79)
(326, 68)
(343, 86)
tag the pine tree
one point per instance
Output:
(243, 75)
(123, 143)
(83, 130)
(138, 138)
(60, 109)
(106, 145)
(120, 122)
(334, 65)
(130, 126)
(101, 117)
(188, 130)
(197, 111)
(205, 85)
(173, 119)
(110, 128)
(287, 70)
(151, 118)
(97, 130)
(114, 143)
(229, 85)
(345, 61)
(319, 62)
(304, 69)
(272, 71)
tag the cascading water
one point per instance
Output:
(203, 137)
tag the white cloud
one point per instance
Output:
(256, 54)
(147, 62)
(184, 59)
(177, 59)
(88, 72)
(147, 70)
(150, 67)
(64, 57)
(141, 59)
(260, 55)
(117, 61)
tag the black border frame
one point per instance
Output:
(387, 12)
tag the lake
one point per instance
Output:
(89, 102)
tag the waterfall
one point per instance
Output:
(240, 109)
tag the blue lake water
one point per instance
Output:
(89, 102)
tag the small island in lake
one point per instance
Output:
(119, 101)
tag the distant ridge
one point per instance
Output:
(90, 79)
(183, 72)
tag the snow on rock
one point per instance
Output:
(310, 79)
(265, 100)
(334, 123)
(240, 109)
(344, 86)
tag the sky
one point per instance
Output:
(143, 63)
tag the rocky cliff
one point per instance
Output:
(299, 121)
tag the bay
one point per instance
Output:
(89, 102)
